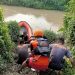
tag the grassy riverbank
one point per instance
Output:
(40, 4)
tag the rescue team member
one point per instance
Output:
(22, 52)
(24, 37)
(39, 40)
(58, 51)
(38, 34)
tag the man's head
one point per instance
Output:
(60, 40)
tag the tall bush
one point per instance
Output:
(68, 70)
(6, 44)
(69, 32)
(14, 30)
(50, 35)
(69, 23)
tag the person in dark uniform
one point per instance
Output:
(25, 37)
(58, 51)
(22, 51)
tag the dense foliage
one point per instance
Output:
(50, 35)
(14, 30)
(6, 44)
(46, 4)
(69, 32)
(69, 23)
(68, 69)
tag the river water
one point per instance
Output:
(37, 18)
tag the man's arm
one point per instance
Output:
(68, 55)
(24, 64)
(72, 61)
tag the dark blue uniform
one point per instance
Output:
(57, 54)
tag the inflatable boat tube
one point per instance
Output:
(39, 62)
(27, 27)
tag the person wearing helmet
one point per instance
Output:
(34, 43)
(40, 42)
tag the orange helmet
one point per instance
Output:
(38, 33)
(34, 43)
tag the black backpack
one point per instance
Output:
(43, 47)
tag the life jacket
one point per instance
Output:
(39, 62)
(34, 43)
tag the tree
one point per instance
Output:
(69, 23)
(6, 44)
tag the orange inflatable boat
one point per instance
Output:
(27, 27)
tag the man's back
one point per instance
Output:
(23, 54)
(58, 52)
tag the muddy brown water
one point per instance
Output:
(37, 18)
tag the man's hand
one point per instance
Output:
(72, 61)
